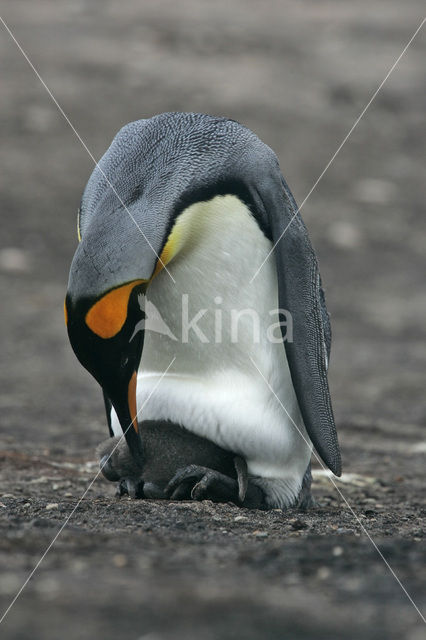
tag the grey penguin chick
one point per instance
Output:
(178, 465)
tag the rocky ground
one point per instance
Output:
(298, 74)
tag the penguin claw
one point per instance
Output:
(182, 492)
(205, 489)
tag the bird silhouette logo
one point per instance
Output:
(152, 320)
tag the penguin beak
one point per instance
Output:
(124, 403)
(131, 400)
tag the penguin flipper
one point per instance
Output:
(300, 293)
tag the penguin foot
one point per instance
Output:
(200, 483)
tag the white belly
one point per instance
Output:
(213, 387)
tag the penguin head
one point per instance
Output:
(101, 330)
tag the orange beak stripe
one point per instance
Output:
(131, 399)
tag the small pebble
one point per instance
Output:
(344, 234)
(260, 534)
(374, 191)
(187, 505)
(119, 560)
(298, 524)
(241, 519)
(51, 505)
(337, 551)
(14, 260)
(323, 573)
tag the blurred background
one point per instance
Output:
(298, 75)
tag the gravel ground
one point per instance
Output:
(298, 74)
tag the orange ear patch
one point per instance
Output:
(65, 312)
(108, 315)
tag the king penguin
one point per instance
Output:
(189, 214)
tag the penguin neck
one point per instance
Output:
(213, 250)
